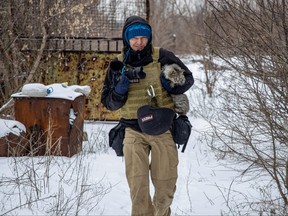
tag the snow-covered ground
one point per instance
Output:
(93, 182)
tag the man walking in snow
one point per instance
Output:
(134, 82)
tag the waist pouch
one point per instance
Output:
(116, 137)
(155, 120)
(181, 130)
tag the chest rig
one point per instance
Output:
(139, 93)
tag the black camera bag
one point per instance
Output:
(181, 130)
(155, 120)
(116, 137)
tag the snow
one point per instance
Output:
(11, 126)
(55, 90)
(96, 175)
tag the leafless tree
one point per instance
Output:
(250, 127)
(28, 25)
(25, 26)
(177, 25)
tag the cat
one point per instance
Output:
(174, 73)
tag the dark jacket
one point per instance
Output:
(113, 101)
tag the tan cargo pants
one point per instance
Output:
(162, 166)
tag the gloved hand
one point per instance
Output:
(122, 86)
(165, 83)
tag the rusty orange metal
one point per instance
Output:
(47, 124)
(13, 145)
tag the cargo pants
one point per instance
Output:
(147, 155)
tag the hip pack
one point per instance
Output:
(181, 130)
(155, 120)
(116, 137)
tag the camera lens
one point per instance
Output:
(142, 74)
(135, 73)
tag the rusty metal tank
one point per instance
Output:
(47, 124)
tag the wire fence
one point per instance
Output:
(82, 25)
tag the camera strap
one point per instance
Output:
(124, 60)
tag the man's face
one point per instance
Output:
(138, 43)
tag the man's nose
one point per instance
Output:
(139, 40)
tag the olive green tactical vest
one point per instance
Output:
(138, 95)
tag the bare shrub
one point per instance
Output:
(249, 129)
(51, 185)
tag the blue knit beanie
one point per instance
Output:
(137, 29)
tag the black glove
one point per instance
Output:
(166, 83)
(122, 86)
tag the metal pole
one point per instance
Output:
(148, 10)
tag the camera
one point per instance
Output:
(132, 73)
(135, 73)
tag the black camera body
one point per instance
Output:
(134, 74)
